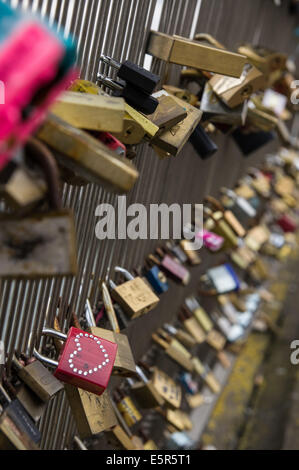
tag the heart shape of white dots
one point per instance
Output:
(73, 355)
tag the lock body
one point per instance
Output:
(146, 395)
(38, 246)
(86, 156)
(129, 411)
(86, 361)
(124, 361)
(93, 414)
(40, 380)
(34, 406)
(169, 390)
(92, 112)
(183, 51)
(172, 141)
(22, 190)
(13, 436)
(135, 296)
(175, 270)
(157, 280)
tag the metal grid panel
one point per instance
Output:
(120, 28)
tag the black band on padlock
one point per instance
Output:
(201, 142)
(252, 141)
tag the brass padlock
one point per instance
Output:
(36, 376)
(43, 244)
(183, 51)
(206, 375)
(234, 91)
(213, 337)
(218, 112)
(226, 215)
(137, 127)
(192, 326)
(174, 349)
(243, 256)
(256, 237)
(92, 413)
(22, 188)
(121, 436)
(126, 407)
(193, 257)
(87, 156)
(169, 390)
(89, 111)
(135, 296)
(182, 94)
(124, 363)
(34, 406)
(168, 113)
(172, 141)
(144, 391)
(85, 86)
(181, 335)
(264, 59)
(177, 418)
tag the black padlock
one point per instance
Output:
(136, 98)
(252, 141)
(201, 142)
(133, 74)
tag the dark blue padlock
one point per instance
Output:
(157, 280)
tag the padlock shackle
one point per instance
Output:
(54, 333)
(229, 192)
(126, 273)
(141, 374)
(89, 315)
(112, 84)
(170, 328)
(46, 360)
(109, 308)
(110, 61)
(112, 284)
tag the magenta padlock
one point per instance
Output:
(211, 240)
(36, 65)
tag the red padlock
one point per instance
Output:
(287, 223)
(86, 360)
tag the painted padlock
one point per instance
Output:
(86, 360)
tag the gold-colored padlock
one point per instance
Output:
(234, 91)
(169, 390)
(183, 51)
(172, 141)
(89, 111)
(134, 295)
(124, 363)
(174, 349)
(87, 156)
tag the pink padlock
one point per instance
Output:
(211, 240)
(30, 60)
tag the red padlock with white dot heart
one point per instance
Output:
(86, 360)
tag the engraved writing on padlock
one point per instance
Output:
(134, 295)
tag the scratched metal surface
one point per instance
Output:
(120, 28)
